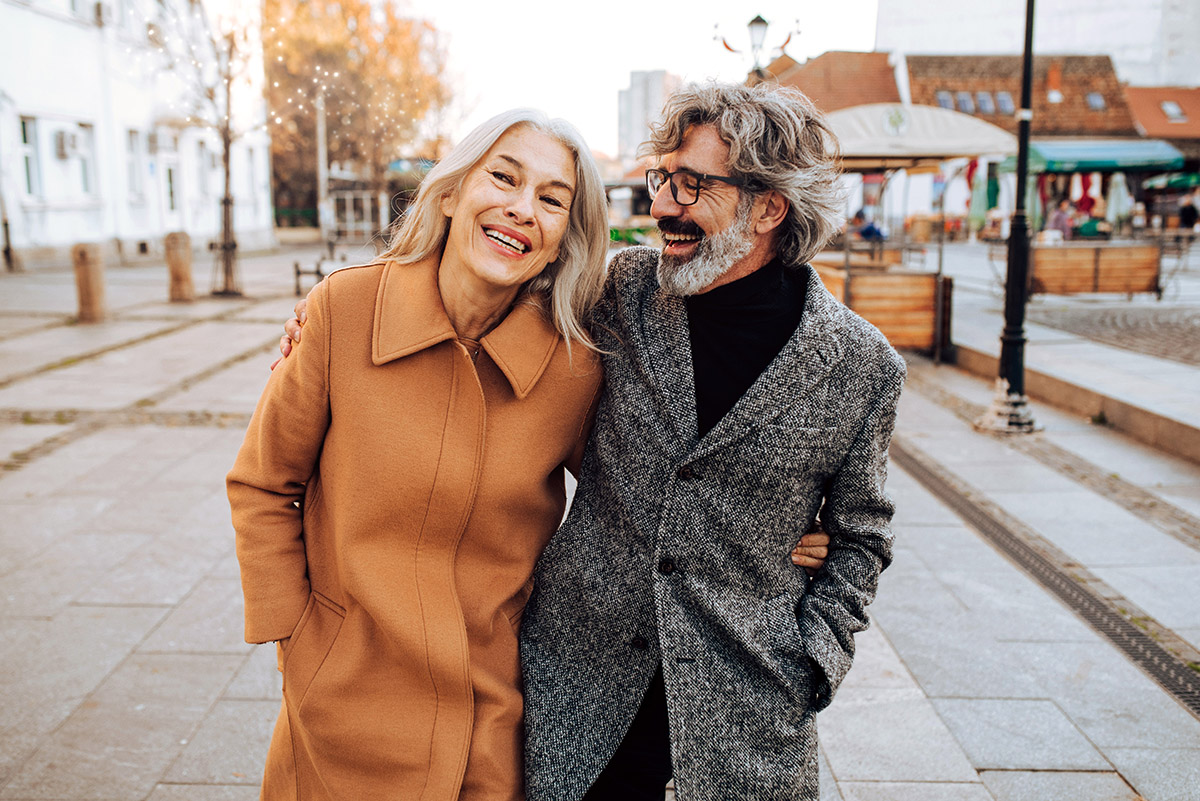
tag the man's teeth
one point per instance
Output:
(672, 238)
(507, 241)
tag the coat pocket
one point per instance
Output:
(309, 645)
(778, 631)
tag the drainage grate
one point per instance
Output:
(1173, 675)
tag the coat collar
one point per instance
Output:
(410, 317)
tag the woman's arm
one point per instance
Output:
(267, 484)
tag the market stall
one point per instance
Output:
(911, 307)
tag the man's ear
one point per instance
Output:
(770, 210)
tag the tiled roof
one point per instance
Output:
(1074, 78)
(839, 79)
(1146, 104)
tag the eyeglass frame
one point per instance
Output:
(701, 177)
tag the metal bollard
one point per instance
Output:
(179, 267)
(89, 282)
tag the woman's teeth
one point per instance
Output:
(507, 241)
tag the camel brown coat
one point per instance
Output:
(390, 500)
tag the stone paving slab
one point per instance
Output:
(1169, 773)
(123, 377)
(119, 742)
(21, 354)
(1044, 786)
(19, 437)
(229, 746)
(204, 792)
(890, 735)
(1018, 734)
(914, 791)
(48, 666)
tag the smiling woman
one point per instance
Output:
(404, 469)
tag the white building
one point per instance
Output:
(640, 105)
(95, 145)
(1151, 42)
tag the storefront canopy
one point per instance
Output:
(1172, 180)
(885, 136)
(1098, 155)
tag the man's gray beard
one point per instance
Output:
(714, 256)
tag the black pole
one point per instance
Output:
(1010, 409)
(1012, 341)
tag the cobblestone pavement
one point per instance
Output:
(1167, 331)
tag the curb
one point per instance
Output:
(1166, 434)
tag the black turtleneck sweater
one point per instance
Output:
(736, 330)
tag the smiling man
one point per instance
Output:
(668, 633)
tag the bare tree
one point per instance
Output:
(210, 54)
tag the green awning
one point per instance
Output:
(1098, 155)
(1172, 180)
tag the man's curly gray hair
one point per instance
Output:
(777, 140)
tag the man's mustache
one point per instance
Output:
(674, 225)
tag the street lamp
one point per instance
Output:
(758, 35)
(1009, 412)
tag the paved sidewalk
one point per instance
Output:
(124, 675)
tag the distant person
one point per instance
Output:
(1188, 213)
(1061, 219)
(866, 229)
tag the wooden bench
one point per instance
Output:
(902, 304)
(1072, 269)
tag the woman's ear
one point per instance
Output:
(770, 210)
(449, 203)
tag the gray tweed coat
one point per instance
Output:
(676, 549)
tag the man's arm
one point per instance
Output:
(857, 514)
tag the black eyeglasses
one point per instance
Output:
(685, 184)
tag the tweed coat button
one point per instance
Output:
(666, 566)
(685, 473)
(639, 643)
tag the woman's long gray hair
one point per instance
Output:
(777, 140)
(569, 286)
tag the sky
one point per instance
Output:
(571, 58)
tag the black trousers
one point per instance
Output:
(641, 767)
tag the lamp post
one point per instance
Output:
(1009, 412)
(758, 34)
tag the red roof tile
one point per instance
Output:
(838, 79)
(1075, 77)
(1145, 102)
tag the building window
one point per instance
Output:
(133, 155)
(945, 99)
(966, 104)
(1004, 102)
(1095, 101)
(87, 179)
(984, 101)
(1173, 111)
(29, 155)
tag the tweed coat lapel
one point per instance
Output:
(668, 352)
(806, 358)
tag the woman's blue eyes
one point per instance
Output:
(503, 176)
